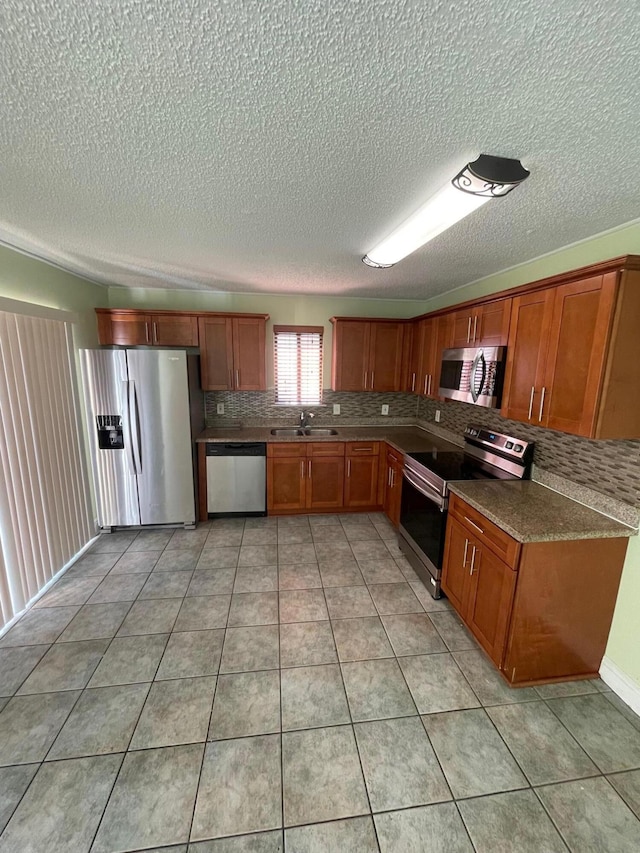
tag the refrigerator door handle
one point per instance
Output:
(132, 404)
(126, 426)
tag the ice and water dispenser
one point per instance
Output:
(110, 436)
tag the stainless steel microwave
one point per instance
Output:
(473, 375)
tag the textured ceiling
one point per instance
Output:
(266, 145)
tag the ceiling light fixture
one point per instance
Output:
(486, 178)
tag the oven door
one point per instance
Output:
(423, 519)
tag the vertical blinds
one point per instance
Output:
(298, 364)
(45, 511)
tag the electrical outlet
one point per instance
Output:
(437, 416)
(336, 408)
(220, 408)
(385, 409)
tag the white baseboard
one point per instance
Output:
(626, 688)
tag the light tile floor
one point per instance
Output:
(288, 684)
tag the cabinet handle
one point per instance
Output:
(155, 332)
(469, 330)
(372, 376)
(541, 403)
(309, 472)
(413, 382)
(393, 478)
(237, 379)
(365, 380)
(533, 391)
(146, 331)
(479, 529)
(475, 327)
(302, 469)
(426, 376)
(429, 389)
(466, 548)
(348, 467)
(389, 476)
(473, 559)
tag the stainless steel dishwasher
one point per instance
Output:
(236, 479)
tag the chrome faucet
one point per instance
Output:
(304, 419)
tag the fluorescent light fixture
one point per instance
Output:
(486, 178)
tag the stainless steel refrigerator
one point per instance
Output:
(144, 409)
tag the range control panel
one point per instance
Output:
(499, 441)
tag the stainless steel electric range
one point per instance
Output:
(486, 455)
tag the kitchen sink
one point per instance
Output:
(287, 431)
(320, 431)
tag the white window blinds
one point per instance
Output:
(298, 364)
(45, 516)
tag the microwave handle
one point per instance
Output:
(479, 359)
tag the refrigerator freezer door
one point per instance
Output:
(159, 402)
(104, 376)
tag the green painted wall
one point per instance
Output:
(621, 241)
(623, 648)
(282, 309)
(28, 280)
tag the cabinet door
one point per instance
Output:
(577, 352)
(428, 329)
(396, 493)
(412, 378)
(526, 354)
(442, 339)
(455, 564)
(286, 483)
(174, 330)
(361, 481)
(130, 330)
(491, 323)
(249, 372)
(351, 355)
(488, 610)
(463, 325)
(385, 360)
(325, 482)
(216, 353)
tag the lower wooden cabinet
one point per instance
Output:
(361, 482)
(316, 476)
(392, 485)
(480, 586)
(541, 610)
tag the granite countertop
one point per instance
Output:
(530, 512)
(406, 439)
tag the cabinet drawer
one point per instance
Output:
(289, 449)
(326, 448)
(485, 531)
(394, 456)
(363, 448)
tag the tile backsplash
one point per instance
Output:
(606, 466)
(609, 467)
(249, 406)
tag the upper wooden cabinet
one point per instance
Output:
(232, 351)
(482, 325)
(367, 354)
(436, 334)
(572, 357)
(136, 328)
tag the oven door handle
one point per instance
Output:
(425, 489)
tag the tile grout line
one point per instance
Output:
(353, 732)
